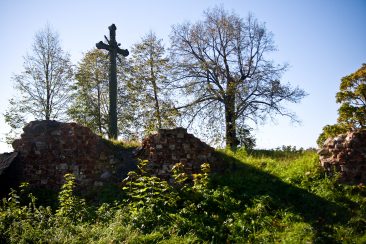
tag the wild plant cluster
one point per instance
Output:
(260, 199)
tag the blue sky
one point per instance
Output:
(322, 41)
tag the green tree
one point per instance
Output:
(352, 110)
(90, 102)
(352, 97)
(331, 131)
(44, 86)
(246, 138)
(150, 79)
(224, 71)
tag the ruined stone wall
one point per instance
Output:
(346, 154)
(49, 149)
(171, 146)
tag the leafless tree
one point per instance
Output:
(224, 71)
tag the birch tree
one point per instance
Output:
(44, 86)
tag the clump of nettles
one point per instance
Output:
(71, 207)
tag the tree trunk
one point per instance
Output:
(48, 95)
(99, 110)
(155, 88)
(99, 105)
(230, 118)
(157, 107)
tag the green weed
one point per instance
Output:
(266, 196)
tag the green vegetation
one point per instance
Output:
(149, 85)
(266, 196)
(120, 144)
(352, 110)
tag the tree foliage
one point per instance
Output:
(144, 104)
(331, 131)
(44, 84)
(352, 97)
(223, 69)
(90, 102)
(352, 110)
(150, 79)
(246, 138)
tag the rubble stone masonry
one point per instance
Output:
(346, 154)
(48, 150)
(170, 146)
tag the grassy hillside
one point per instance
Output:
(264, 197)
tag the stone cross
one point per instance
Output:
(113, 48)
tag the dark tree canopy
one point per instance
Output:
(224, 70)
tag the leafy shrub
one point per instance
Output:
(71, 207)
(22, 222)
(148, 199)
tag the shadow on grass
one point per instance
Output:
(248, 182)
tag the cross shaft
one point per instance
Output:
(113, 48)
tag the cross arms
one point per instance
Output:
(123, 52)
(102, 45)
